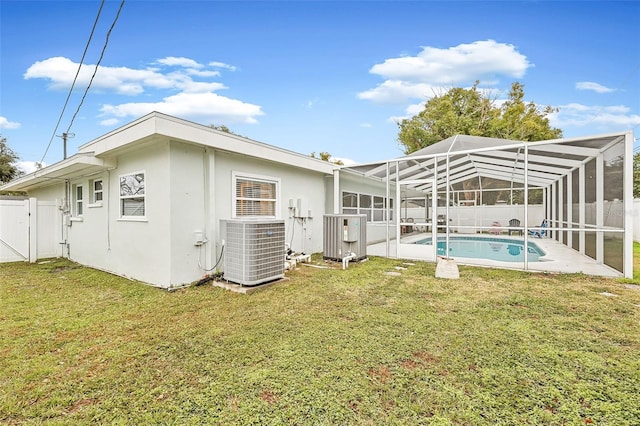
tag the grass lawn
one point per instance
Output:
(361, 347)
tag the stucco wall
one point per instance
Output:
(187, 211)
(295, 183)
(134, 248)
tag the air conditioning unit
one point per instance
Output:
(254, 251)
(344, 234)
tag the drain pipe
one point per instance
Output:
(346, 259)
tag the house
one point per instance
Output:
(146, 200)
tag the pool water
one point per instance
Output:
(500, 249)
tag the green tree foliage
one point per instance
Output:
(8, 168)
(470, 112)
(225, 129)
(325, 156)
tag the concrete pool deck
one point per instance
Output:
(558, 259)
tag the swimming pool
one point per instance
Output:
(500, 249)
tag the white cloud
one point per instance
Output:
(61, 71)
(596, 87)
(311, 103)
(171, 79)
(180, 62)
(201, 87)
(110, 122)
(199, 73)
(345, 161)
(414, 77)
(396, 91)
(415, 109)
(122, 80)
(29, 166)
(604, 118)
(222, 65)
(210, 106)
(6, 124)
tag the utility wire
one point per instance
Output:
(95, 23)
(106, 42)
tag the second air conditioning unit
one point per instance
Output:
(344, 235)
(254, 251)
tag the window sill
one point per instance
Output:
(132, 219)
(76, 219)
(94, 205)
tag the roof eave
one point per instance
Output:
(78, 165)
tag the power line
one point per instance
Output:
(106, 42)
(95, 23)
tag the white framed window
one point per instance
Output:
(255, 196)
(97, 191)
(349, 203)
(78, 201)
(374, 207)
(132, 195)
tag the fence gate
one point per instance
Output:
(29, 230)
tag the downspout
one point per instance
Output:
(66, 219)
(336, 192)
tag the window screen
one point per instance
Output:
(132, 195)
(255, 197)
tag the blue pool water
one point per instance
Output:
(501, 249)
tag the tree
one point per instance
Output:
(8, 168)
(325, 156)
(225, 129)
(470, 112)
(523, 122)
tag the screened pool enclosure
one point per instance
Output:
(562, 205)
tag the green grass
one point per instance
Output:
(79, 346)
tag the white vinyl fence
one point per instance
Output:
(636, 219)
(29, 230)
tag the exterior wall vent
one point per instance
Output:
(344, 234)
(254, 251)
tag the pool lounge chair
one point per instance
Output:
(540, 232)
(514, 226)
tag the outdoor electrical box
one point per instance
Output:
(198, 238)
(351, 229)
(344, 234)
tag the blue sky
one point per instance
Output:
(309, 76)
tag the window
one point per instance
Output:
(365, 206)
(132, 195)
(373, 206)
(255, 196)
(349, 203)
(78, 200)
(97, 191)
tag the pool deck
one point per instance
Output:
(558, 259)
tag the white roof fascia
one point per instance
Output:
(189, 132)
(78, 165)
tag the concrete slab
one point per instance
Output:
(237, 288)
(559, 258)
